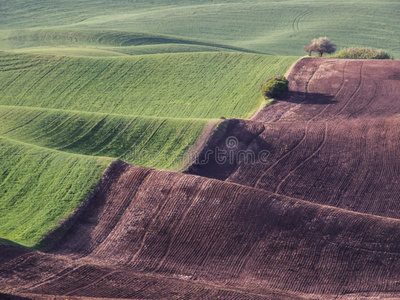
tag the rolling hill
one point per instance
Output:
(40, 188)
(332, 141)
(112, 116)
(144, 141)
(271, 27)
(200, 85)
(77, 110)
(157, 234)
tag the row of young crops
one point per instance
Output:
(145, 141)
(201, 85)
(272, 27)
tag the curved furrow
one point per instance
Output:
(91, 283)
(153, 220)
(334, 96)
(179, 227)
(162, 232)
(305, 96)
(276, 174)
(355, 92)
(284, 156)
(105, 215)
(115, 226)
(370, 101)
(304, 161)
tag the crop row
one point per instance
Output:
(201, 85)
(41, 187)
(151, 142)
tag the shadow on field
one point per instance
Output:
(234, 143)
(12, 297)
(308, 98)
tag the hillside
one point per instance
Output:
(52, 159)
(93, 107)
(272, 27)
(312, 221)
(157, 234)
(201, 85)
(144, 141)
(41, 187)
(138, 159)
(332, 141)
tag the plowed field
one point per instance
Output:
(152, 234)
(333, 140)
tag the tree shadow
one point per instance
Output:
(308, 98)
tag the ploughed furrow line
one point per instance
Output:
(348, 164)
(358, 86)
(302, 72)
(333, 140)
(104, 213)
(324, 102)
(305, 160)
(340, 88)
(149, 233)
(93, 282)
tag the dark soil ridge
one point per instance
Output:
(156, 234)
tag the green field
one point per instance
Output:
(275, 27)
(146, 141)
(195, 85)
(44, 175)
(39, 187)
(71, 51)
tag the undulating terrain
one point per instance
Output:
(138, 159)
(318, 217)
(279, 27)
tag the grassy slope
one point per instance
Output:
(201, 85)
(117, 51)
(106, 38)
(152, 142)
(279, 27)
(71, 51)
(39, 187)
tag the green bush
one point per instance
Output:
(363, 53)
(275, 87)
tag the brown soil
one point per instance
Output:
(332, 89)
(318, 220)
(340, 149)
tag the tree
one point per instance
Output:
(308, 49)
(275, 87)
(321, 46)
